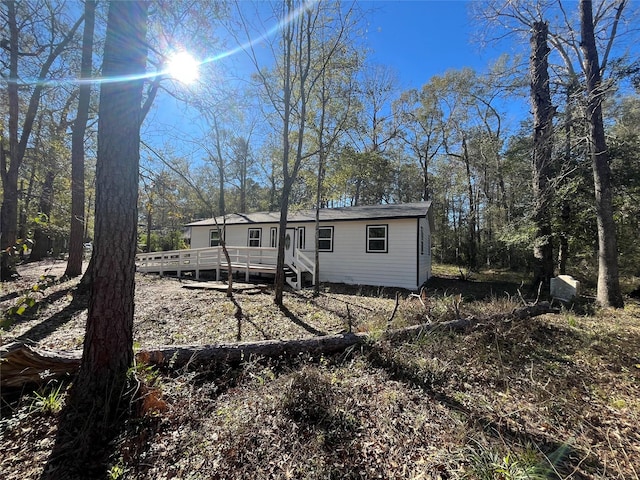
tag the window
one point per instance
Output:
(325, 239)
(301, 239)
(273, 237)
(421, 240)
(255, 237)
(214, 238)
(377, 238)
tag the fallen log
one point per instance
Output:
(22, 364)
(179, 356)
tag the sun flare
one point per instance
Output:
(183, 67)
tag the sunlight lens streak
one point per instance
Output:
(186, 68)
(183, 67)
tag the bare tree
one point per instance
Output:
(609, 293)
(585, 51)
(333, 102)
(59, 40)
(56, 129)
(289, 87)
(374, 128)
(419, 118)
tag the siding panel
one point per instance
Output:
(349, 262)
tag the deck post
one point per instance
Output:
(218, 264)
(198, 265)
(246, 273)
(256, 259)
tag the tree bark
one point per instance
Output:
(76, 237)
(287, 38)
(41, 239)
(608, 291)
(9, 211)
(18, 141)
(472, 247)
(108, 346)
(282, 232)
(543, 112)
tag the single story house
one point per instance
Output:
(380, 245)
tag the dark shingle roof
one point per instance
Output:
(368, 212)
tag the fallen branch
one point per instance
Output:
(22, 364)
(419, 296)
(395, 309)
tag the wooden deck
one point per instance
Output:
(247, 260)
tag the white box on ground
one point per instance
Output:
(565, 287)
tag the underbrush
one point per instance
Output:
(553, 397)
(541, 398)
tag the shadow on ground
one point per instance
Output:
(473, 289)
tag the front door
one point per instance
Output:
(289, 245)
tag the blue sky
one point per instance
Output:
(420, 39)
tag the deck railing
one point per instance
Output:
(244, 259)
(301, 263)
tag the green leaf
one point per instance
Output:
(41, 218)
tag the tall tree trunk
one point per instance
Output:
(149, 220)
(89, 421)
(543, 112)
(565, 212)
(41, 238)
(472, 246)
(9, 211)
(282, 231)
(563, 247)
(243, 183)
(76, 237)
(9, 171)
(319, 185)
(287, 37)
(608, 293)
(221, 170)
(108, 346)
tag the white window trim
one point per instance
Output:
(220, 233)
(258, 238)
(329, 239)
(385, 239)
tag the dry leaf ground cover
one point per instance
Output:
(555, 396)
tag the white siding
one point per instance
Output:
(235, 235)
(350, 263)
(402, 266)
(200, 237)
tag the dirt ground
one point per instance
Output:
(550, 397)
(168, 313)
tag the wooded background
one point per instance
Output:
(316, 123)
